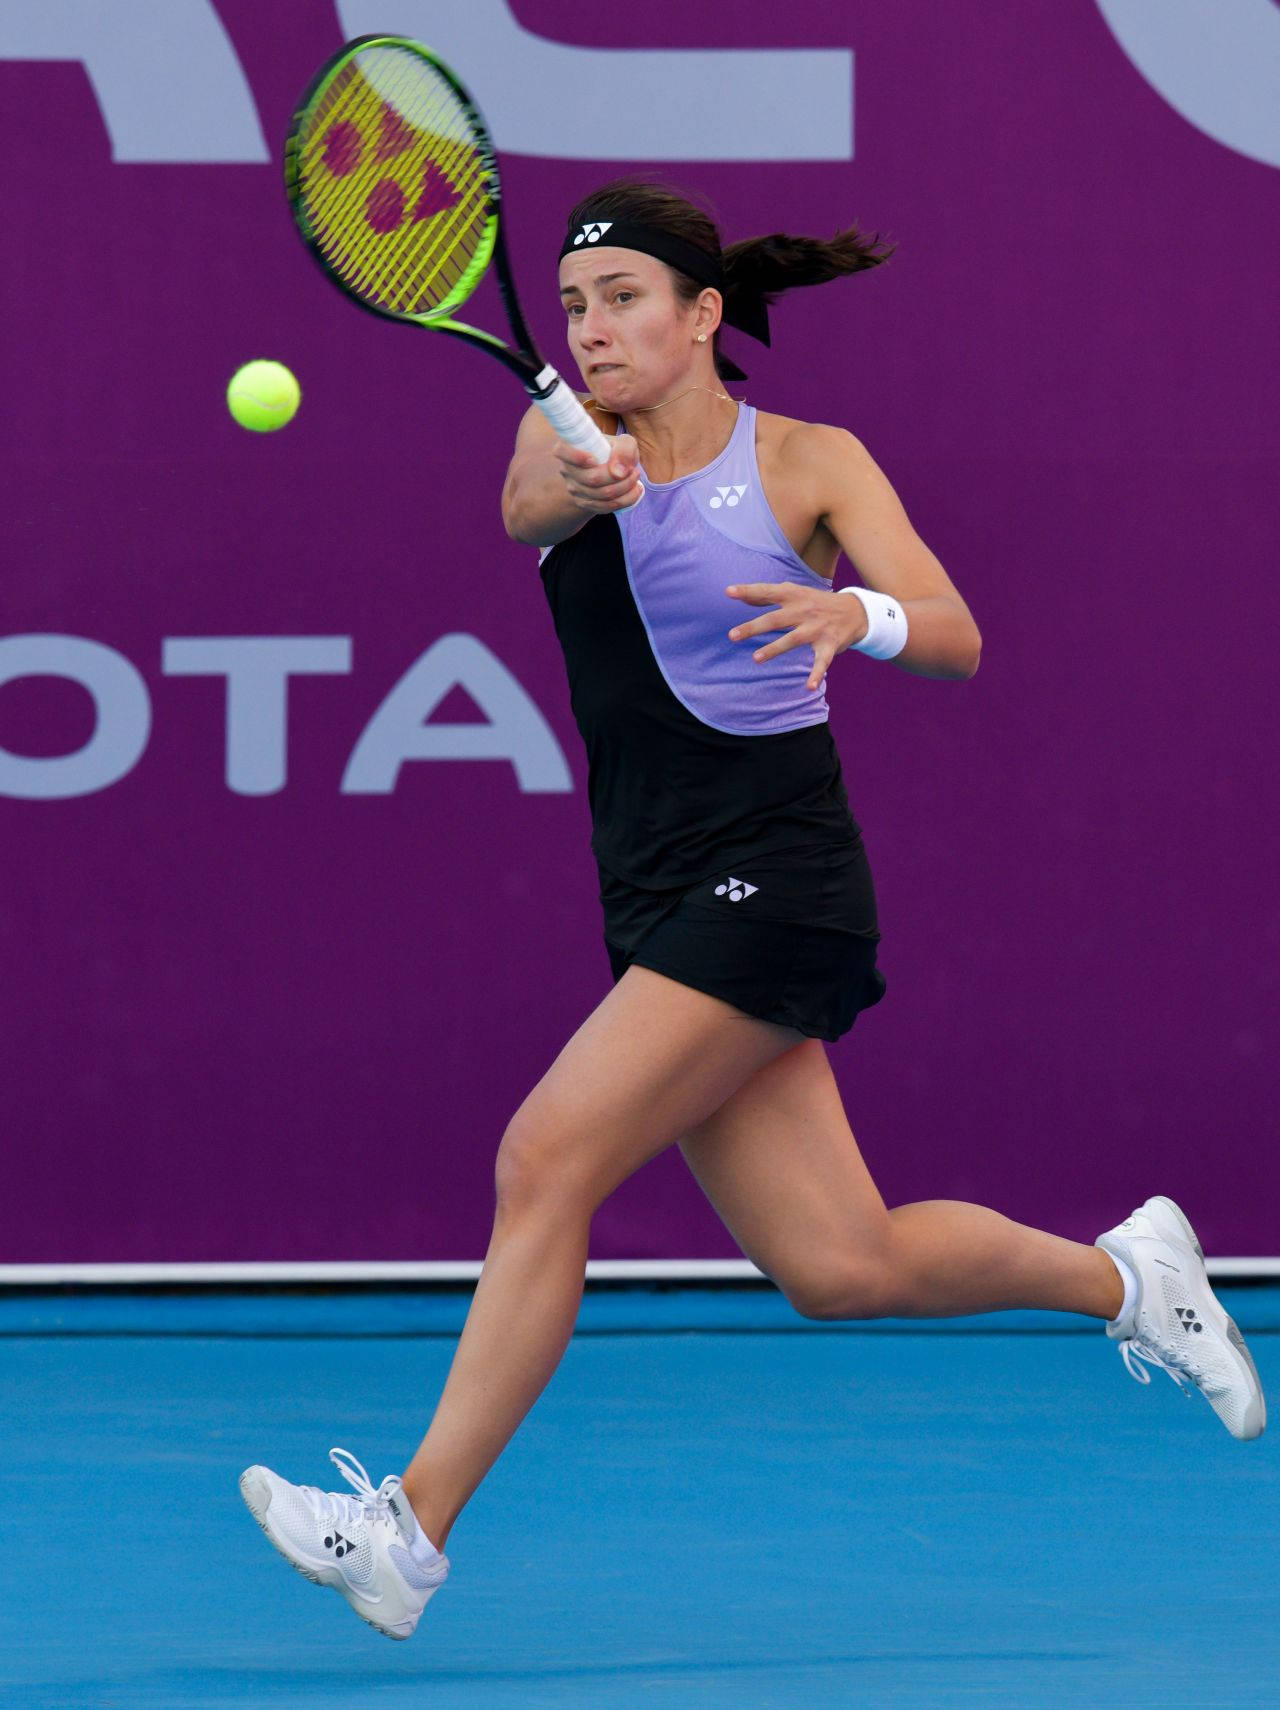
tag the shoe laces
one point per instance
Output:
(1182, 1370)
(367, 1505)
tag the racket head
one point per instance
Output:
(392, 178)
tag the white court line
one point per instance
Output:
(439, 1271)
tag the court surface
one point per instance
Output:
(714, 1504)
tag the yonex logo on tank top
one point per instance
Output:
(592, 233)
(729, 496)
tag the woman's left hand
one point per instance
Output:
(813, 617)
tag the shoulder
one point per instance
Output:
(798, 442)
(810, 455)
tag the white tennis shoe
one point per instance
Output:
(1176, 1323)
(369, 1547)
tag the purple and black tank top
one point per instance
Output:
(698, 757)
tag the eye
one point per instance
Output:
(573, 309)
(624, 296)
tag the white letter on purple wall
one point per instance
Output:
(515, 731)
(257, 669)
(121, 703)
(636, 103)
(166, 77)
(1218, 64)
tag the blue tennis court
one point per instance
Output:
(715, 1503)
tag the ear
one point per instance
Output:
(707, 312)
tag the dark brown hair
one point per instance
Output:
(764, 266)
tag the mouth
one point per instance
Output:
(604, 368)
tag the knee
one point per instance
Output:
(532, 1166)
(859, 1289)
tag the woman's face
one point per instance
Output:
(632, 338)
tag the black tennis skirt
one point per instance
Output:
(789, 938)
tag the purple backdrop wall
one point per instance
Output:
(292, 1025)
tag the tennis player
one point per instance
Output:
(690, 581)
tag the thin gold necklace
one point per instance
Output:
(645, 408)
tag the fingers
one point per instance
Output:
(761, 593)
(758, 626)
(784, 644)
(774, 594)
(624, 455)
(805, 616)
(596, 486)
(625, 450)
(788, 604)
(597, 489)
(608, 495)
(823, 653)
(822, 657)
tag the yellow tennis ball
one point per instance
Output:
(263, 396)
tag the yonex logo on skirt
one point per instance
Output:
(736, 889)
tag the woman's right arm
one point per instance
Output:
(551, 489)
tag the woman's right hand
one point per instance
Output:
(601, 487)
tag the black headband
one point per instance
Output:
(746, 310)
(649, 240)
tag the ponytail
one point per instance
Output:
(777, 263)
(758, 270)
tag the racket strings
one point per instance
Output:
(405, 272)
(456, 160)
(453, 249)
(392, 183)
(390, 269)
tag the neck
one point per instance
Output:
(682, 432)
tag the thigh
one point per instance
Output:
(651, 1063)
(780, 1165)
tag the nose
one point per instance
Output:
(592, 330)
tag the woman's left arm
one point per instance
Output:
(851, 496)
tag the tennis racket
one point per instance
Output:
(393, 181)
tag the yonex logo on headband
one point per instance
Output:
(728, 496)
(592, 233)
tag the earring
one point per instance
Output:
(702, 338)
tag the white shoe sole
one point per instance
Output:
(257, 1497)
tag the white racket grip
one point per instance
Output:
(572, 423)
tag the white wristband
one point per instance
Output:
(886, 624)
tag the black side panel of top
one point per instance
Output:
(672, 799)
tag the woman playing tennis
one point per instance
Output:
(690, 581)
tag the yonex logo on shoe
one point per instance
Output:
(727, 496)
(338, 1544)
(1187, 1318)
(736, 889)
(592, 233)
